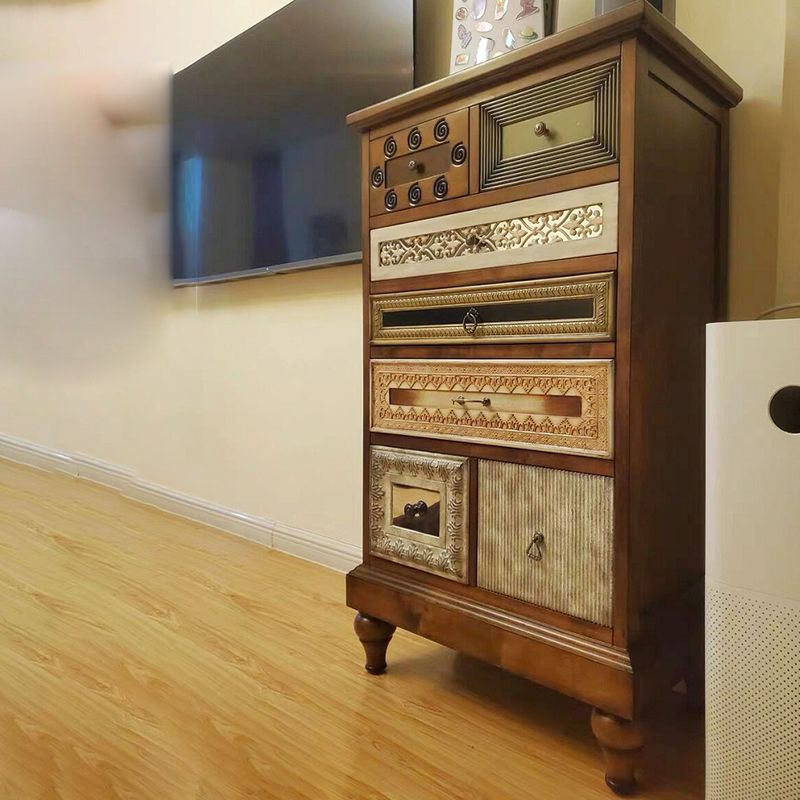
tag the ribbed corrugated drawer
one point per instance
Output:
(546, 537)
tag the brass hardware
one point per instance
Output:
(541, 129)
(471, 321)
(418, 509)
(462, 401)
(416, 166)
(474, 240)
(534, 551)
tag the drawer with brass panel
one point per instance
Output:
(562, 406)
(422, 164)
(546, 537)
(553, 309)
(418, 510)
(561, 126)
(580, 222)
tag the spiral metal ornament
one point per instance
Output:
(441, 131)
(377, 177)
(390, 147)
(415, 194)
(415, 139)
(390, 201)
(459, 154)
(441, 188)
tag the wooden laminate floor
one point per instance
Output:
(144, 657)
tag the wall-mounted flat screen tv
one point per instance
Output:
(265, 173)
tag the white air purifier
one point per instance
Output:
(753, 561)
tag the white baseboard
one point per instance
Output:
(285, 538)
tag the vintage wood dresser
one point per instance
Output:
(544, 241)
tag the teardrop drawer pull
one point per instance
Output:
(472, 319)
(534, 551)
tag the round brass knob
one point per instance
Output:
(541, 129)
(413, 165)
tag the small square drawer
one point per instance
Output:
(554, 309)
(562, 406)
(580, 222)
(418, 510)
(546, 537)
(563, 125)
(422, 164)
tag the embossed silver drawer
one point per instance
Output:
(553, 309)
(418, 510)
(562, 125)
(569, 224)
(546, 537)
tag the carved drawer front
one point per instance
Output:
(422, 164)
(563, 406)
(580, 222)
(556, 309)
(563, 125)
(418, 512)
(546, 537)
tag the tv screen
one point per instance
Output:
(266, 175)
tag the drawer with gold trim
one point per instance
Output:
(418, 510)
(546, 537)
(553, 309)
(563, 406)
(580, 222)
(563, 125)
(423, 164)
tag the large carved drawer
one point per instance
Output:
(546, 537)
(564, 406)
(419, 165)
(418, 510)
(579, 222)
(555, 309)
(563, 125)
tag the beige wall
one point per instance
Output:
(248, 394)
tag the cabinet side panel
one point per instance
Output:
(677, 252)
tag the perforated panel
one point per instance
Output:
(753, 696)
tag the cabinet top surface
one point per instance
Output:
(638, 19)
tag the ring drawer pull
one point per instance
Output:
(413, 510)
(541, 129)
(472, 319)
(534, 551)
(462, 401)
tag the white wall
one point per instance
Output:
(248, 394)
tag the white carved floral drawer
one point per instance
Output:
(580, 222)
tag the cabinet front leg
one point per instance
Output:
(375, 635)
(622, 742)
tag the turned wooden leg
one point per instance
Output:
(621, 742)
(375, 635)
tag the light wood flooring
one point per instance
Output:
(144, 657)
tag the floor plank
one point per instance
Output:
(145, 657)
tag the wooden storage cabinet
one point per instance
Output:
(534, 364)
